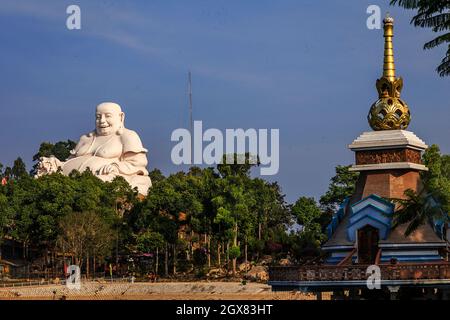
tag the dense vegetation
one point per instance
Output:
(190, 221)
(433, 14)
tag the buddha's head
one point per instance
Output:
(109, 119)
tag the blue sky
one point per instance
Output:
(305, 67)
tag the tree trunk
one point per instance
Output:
(174, 259)
(228, 255)
(246, 254)
(45, 262)
(235, 245)
(259, 231)
(52, 257)
(192, 243)
(64, 260)
(166, 261)
(218, 253)
(87, 265)
(188, 251)
(209, 252)
(157, 261)
(93, 266)
(117, 249)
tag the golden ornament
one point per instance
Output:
(389, 112)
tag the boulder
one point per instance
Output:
(259, 273)
(285, 262)
(215, 271)
(244, 267)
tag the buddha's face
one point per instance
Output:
(108, 119)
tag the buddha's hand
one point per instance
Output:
(48, 165)
(109, 169)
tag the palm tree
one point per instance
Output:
(434, 14)
(416, 209)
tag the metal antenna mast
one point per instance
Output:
(191, 123)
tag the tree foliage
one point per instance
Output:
(85, 234)
(416, 208)
(437, 178)
(434, 14)
(60, 150)
(309, 216)
(342, 185)
(217, 215)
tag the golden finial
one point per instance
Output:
(389, 112)
(388, 65)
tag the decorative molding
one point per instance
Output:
(389, 166)
(388, 156)
(387, 139)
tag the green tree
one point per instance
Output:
(160, 211)
(19, 169)
(203, 185)
(437, 179)
(156, 176)
(235, 201)
(6, 217)
(415, 210)
(149, 241)
(86, 236)
(342, 185)
(446, 166)
(309, 215)
(60, 150)
(434, 14)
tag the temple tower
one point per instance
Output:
(388, 158)
(389, 162)
(360, 234)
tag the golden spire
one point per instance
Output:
(389, 112)
(388, 66)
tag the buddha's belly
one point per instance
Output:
(83, 162)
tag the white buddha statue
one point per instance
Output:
(110, 150)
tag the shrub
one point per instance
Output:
(235, 252)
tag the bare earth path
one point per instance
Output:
(152, 291)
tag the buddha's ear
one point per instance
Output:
(122, 118)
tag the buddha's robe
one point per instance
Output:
(124, 151)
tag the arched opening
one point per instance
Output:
(368, 237)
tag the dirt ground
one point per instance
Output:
(153, 291)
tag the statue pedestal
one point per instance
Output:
(389, 162)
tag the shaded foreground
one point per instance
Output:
(153, 291)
